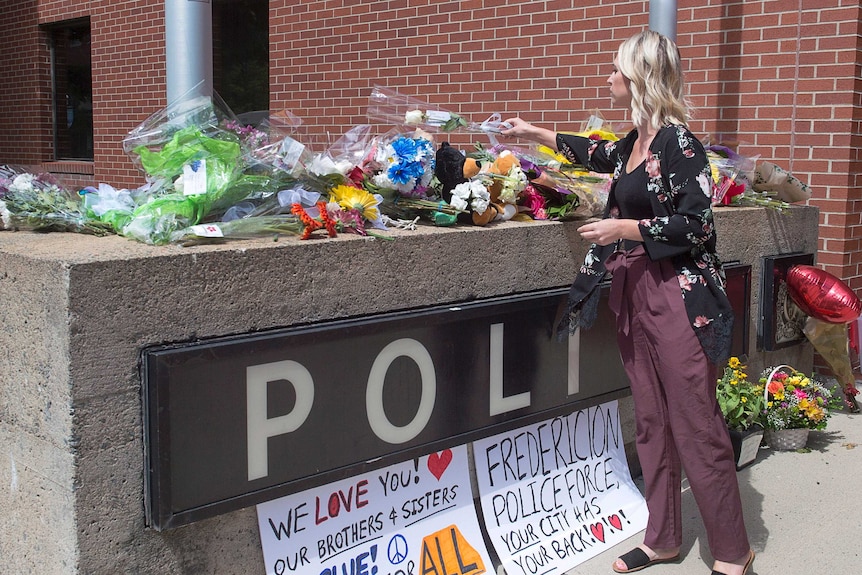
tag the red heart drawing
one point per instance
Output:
(615, 522)
(438, 462)
(598, 531)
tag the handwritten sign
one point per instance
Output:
(559, 492)
(414, 518)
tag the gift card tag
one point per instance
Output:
(207, 231)
(291, 150)
(195, 178)
(437, 118)
(594, 123)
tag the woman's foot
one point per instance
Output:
(738, 567)
(642, 557)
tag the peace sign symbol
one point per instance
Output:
(397, 550)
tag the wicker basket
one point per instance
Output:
(783, 439)
(786, 439)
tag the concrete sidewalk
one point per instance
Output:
(803, 511)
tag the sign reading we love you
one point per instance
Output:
(559, 492)
(413, 518)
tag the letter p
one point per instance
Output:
(260, 428)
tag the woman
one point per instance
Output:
(674, 320)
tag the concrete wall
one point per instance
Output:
(76, 311)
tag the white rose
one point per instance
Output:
(322, 165)
(5, 216)
(344, 166)
(481, 199)
(414, 117)
(461, 196)
(380, 180)
(406, 186)
(459, 203)
(22, 183)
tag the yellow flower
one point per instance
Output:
(350, 198)
(733, 362)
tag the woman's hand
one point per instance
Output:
(520, 128)
(523, 129)
(609, 230)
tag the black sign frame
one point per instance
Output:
(183, 426)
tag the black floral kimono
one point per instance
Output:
(679, 187)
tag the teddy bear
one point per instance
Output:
(454, 169)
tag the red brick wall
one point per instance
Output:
(778, 79)
(25, 111)
(128, 79)
(128, 82)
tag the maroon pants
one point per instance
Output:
(679, 423)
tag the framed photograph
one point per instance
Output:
(781, 320)
(738, 290)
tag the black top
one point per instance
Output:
(631, 195)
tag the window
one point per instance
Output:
(241, 54)
(72, 91)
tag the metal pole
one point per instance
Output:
(188, 46)
(662, 17)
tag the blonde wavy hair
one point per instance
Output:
(652, 63)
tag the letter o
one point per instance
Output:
(380, 424)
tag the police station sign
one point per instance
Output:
(241, 420)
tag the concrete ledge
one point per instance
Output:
(77, 310)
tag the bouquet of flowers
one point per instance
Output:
(400, 170)
(201, 162)
(794, 400)
(36, 202)
(405, 165)
(731, 177)
(558, 189)
(390, 107)
(349, 209)
(740, 400)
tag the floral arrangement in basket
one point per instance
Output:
(740, 400)
(793, 400)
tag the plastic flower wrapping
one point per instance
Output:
(741, 181)
(390, 107)
(39, 203)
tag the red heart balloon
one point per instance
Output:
(822, 295)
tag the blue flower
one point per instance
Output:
(405, 148)
(400, 173)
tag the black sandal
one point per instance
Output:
(637, 559)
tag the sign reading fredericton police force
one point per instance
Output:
(241, 420)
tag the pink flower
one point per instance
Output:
(535, 202)
(701, 321)
(653, 166)
(684, 282)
